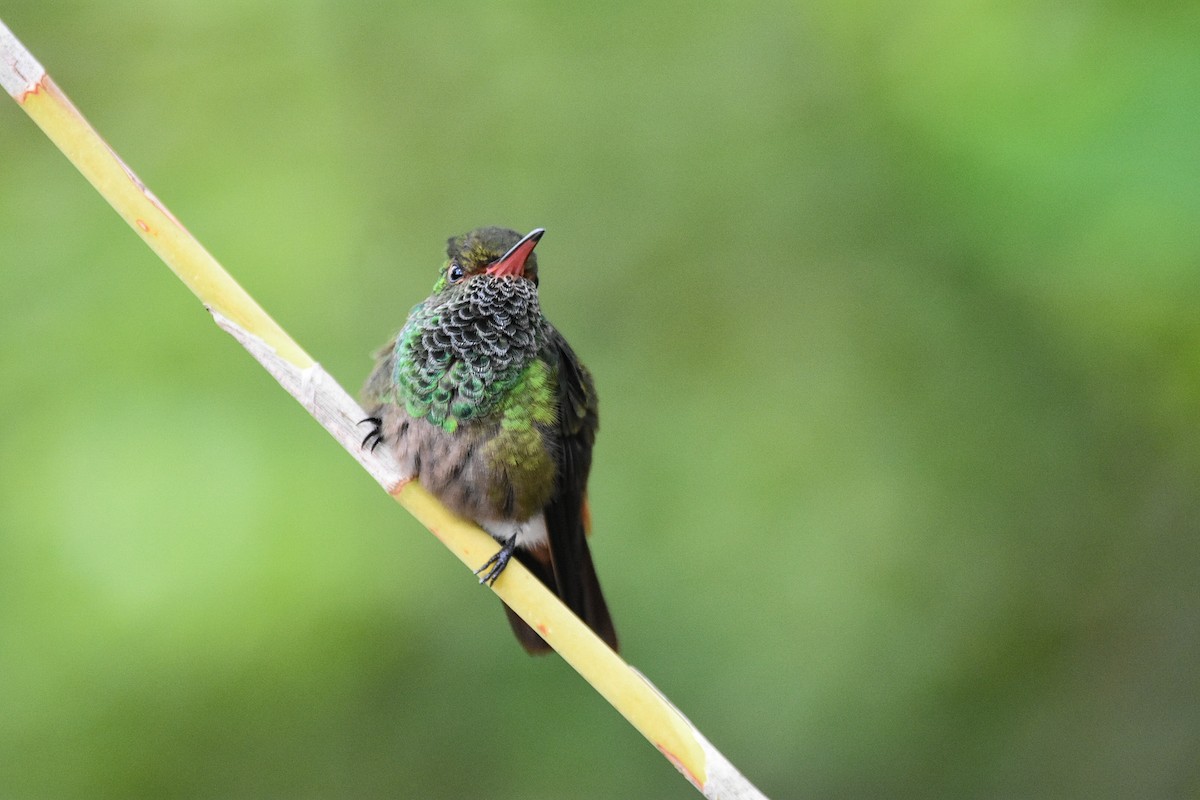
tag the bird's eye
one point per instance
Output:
(456, 273)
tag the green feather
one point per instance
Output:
(519, 448)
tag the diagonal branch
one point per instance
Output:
(238, 314)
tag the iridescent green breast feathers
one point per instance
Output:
(466, 348)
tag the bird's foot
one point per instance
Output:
(492, 568)
(375, 435)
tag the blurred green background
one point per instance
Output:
(893, 312)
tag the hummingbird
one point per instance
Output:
(483, 400)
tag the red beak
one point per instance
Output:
(513, 262)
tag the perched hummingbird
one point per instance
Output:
(482, 398)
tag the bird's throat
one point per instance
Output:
(464, 350)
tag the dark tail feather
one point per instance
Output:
(582, 596)
(581, 591)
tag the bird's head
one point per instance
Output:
(493, 253)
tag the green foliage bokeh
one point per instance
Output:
(892, 310)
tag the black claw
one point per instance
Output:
(375, 433)
(496, 564)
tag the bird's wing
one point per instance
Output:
(566, 514)
(380, 386)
